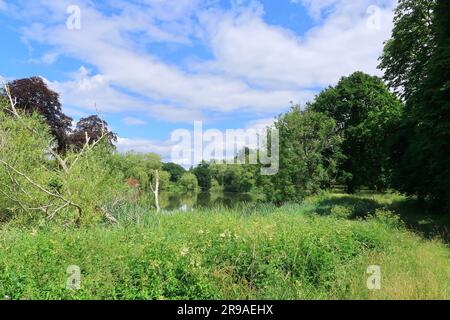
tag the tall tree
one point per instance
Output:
(33, 95)
(365, 113)
(421, 149)
(309, 155)
(408, 51)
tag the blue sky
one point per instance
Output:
(153, 66)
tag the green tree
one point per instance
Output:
(33, 95)
(365, 113)
(239, 178)
(37, 185)
(309, 155)
(218, 172)
(138, 166)
(407, 53)
(176, 171)
(164, 180)
(189, 182)
(421, 149)
(204, 176)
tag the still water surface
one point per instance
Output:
(188, 202)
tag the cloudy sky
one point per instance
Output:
(153, 66)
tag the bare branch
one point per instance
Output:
(38, 186)
(108, 215)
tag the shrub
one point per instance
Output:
(341, 212)
(389, 218)
(37, 185)
(189, 182)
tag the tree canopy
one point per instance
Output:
(309, 155)
(93, 128)
(420, 148)
(365, 113)
(176, 171)
(33, 95)
(407, 53)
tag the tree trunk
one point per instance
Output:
(156, 191)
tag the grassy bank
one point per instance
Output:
(318, 250)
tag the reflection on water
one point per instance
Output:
(191, 201)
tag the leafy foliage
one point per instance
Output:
(309, 155)
(421, 151)
(203, 174)
(407, 53)
(92, 128)
(35, 188)
(366, 114)
(176, 171)
(188, 182)
(33, 95)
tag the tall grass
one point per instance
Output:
(251, 252)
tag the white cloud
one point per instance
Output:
(131, 121)
(102, 42)
(316, 7)
(161, 148)
(246, 46)
(256, 67)
(260, 124)
(93, 93)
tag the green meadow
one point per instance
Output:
(320, 249)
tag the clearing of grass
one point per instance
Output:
(320, 249)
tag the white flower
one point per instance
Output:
(184, 251)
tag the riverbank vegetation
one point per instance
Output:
(297, 251)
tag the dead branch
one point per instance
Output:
(42, 189)
(62, 163)
(88, 146)
(108, 215)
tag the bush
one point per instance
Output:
(36, 187)
(389, 218)
(341, 212)
(189, 182)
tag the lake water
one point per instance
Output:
(188, 202)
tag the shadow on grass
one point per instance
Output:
(419, 217)
(360, 207)
(415, 214)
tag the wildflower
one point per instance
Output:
(184, 252)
